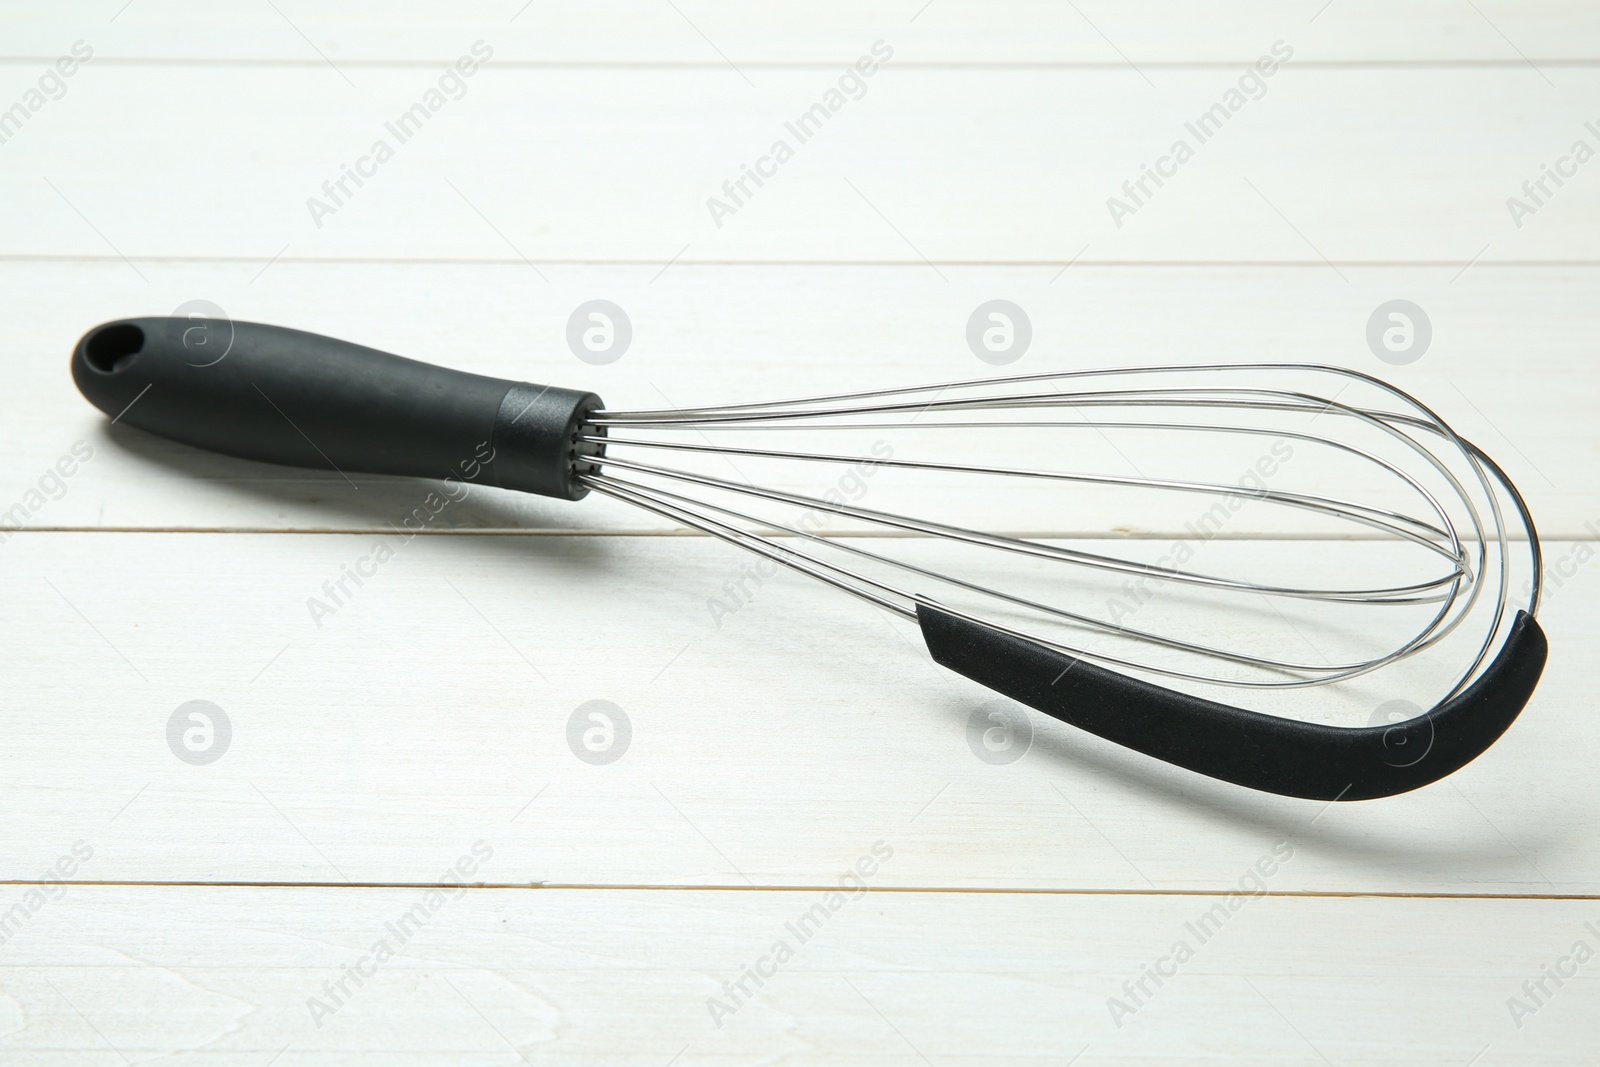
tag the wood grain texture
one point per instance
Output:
(433, 703)
(132, 162)
(715, 34)
(225, 976)
(771, 749)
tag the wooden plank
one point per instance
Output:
(434, 704)
(730, 334)
(1344, 165)
(632, 31)
(432, 717)
(229, 975)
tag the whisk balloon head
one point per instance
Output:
(1398, 551)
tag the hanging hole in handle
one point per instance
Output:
(114, 348)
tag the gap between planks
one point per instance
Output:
(820, 64)
(90, 259)
(587, 887)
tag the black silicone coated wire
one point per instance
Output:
(1266, 752)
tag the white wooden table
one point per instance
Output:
(158, 909)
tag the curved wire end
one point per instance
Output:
(1266, 752)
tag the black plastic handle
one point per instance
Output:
(1267, 752)
(284, 396)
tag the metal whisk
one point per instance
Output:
(1409, 537)
(644, 453)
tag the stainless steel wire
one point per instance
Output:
(1454, 483)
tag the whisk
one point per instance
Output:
(1400, 541)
